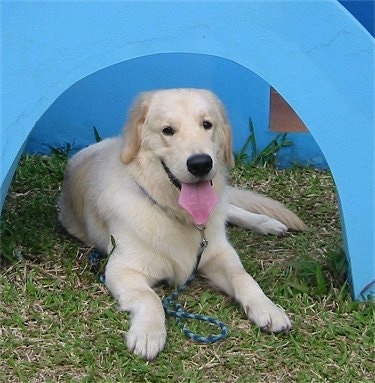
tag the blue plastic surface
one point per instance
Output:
(315, 53)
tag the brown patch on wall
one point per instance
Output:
(283, 119)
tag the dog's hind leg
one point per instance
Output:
(147, 334)
(258, 223)
(257, 203)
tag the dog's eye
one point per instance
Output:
(168, 131)
(207, 125)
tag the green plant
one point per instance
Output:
(264, 157)
(319, 274)
(97, 136)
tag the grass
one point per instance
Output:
(59, 324)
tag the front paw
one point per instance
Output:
(268, 316)
(146, 339)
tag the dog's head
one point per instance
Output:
(177, 124)
(185, 131)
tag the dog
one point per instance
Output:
(154, 191)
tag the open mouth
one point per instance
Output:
(198, 199)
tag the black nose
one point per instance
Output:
(199, 165)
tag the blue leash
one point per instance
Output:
(171, 307)
(176, 310)
(97, 262)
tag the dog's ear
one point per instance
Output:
(132, 130)
(227, 133)
(228, 145)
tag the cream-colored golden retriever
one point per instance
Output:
(154, 190)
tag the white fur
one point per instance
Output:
(119, 188)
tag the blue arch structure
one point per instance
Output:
(315, 53)
(71, 117)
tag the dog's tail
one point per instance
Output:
(260, 204)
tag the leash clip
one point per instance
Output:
(202, 245)
(204, 241)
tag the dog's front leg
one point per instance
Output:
(225, 270)
(147, 334)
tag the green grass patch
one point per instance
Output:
(59, 324)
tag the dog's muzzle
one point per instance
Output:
(199, 165)
(197, 198)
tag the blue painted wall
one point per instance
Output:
(363, 11)
(103, 98)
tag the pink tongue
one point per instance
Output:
(198, 199)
